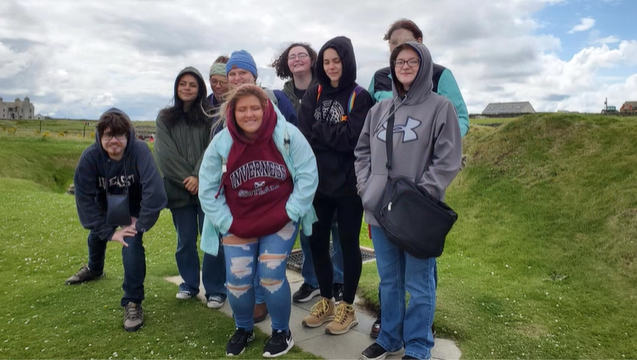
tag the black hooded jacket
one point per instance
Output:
(330, 129)
(136, 170)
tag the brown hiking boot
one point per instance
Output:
(320, 313)
(344, 320)
(133, 317)
(260, 313)
(83, 275)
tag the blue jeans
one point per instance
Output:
(133, 259)
(307, 269)
(188, 222)
(400, 272)
(272, 253)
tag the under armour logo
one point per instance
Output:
(408, 130)
(258, 184)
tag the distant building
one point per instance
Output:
(17, 109)
(509, 108)
(629, 108)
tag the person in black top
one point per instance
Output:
(331, 118)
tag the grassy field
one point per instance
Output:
(57, 128)
(541, 264)
(42, 244)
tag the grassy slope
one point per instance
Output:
(541, 263)
(42, 243)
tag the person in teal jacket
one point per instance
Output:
(444, 83)
(402, 31)
(257, 181)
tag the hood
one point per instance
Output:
(131, 133)
(203, 90)
(423, 83)
(265, 131)
(345, 50)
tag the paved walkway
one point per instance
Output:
(347, 346)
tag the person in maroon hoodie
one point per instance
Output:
(257, 206)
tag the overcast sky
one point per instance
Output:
(77, 58)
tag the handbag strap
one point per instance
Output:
(389, 140)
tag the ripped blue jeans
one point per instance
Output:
(268, 256)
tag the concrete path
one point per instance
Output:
(315, 341)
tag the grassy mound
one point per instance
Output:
(541, 263)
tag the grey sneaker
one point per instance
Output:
(83, 275)
(134, 317)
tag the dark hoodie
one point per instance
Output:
(136, 169)
(257, 183)
(330, 130)
(179, 147)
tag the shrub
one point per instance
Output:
(61, 134)
(46, 134)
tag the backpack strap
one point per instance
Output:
(352, 98)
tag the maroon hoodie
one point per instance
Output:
(257, 183)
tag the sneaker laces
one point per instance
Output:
(278, 337)
(133, 311)
(342, 311)
(240, 335)
(320, 308)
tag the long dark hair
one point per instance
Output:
(199, 112)
(280, 64)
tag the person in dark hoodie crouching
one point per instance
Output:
(427, 148)
(331, 118)
(117, 185)
(183, 133)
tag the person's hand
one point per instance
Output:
(133, 222)
(120, 234)
(192, 184)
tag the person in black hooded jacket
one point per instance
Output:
(331, 118)
(118, 164)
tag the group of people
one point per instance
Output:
(249, 169)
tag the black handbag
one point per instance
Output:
(411, 218)
(117, 205)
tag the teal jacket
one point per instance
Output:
(300, 162)
(443, 84)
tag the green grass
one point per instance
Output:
(42, 244)
(57, 128)
(541, 263)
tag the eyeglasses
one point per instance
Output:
(109, 136)
(300, 56)
(214, 82)
(410, 63)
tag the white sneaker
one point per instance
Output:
(214, 302)
(183, 295)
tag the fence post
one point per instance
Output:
(84, 135)
(40, 125)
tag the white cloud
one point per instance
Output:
(585, 24)
(76, 59)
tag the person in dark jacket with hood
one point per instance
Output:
(182, 136)
(117, 185)
(331, 118)
(296, 64)
(219, 86)
(427, 149)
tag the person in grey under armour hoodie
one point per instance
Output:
(427, 148)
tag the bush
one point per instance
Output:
(61, 134)
(46, 134)
(12, 130)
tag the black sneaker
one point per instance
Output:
(278, 344)
(238, 342)
(83, 275)
(376, 352)
(408, 357)
(338, 292)
(305, 293)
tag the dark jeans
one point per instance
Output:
(188, 222)
(133, 258)
(349, 215)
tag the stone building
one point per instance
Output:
(17, 109)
